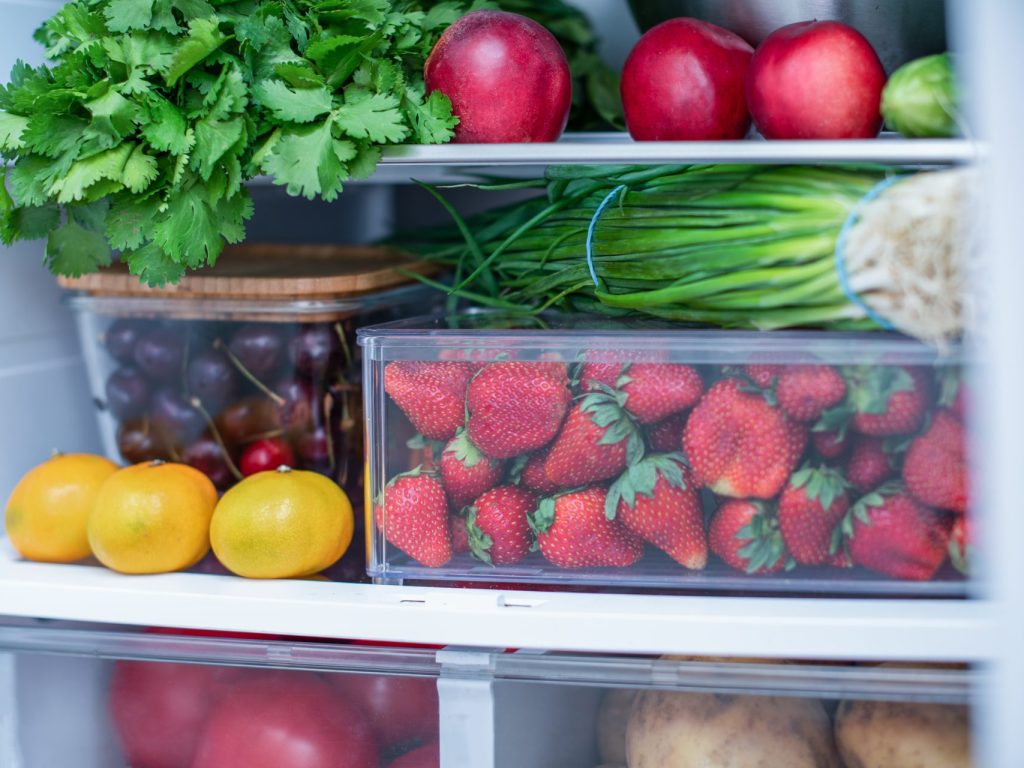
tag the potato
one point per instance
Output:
(889, 734)
(612, 718)
(712, 730)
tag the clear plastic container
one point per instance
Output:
(621, 453)
(234, 386)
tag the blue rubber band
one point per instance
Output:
(844, 277)
(593, 228)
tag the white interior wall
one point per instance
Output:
(44, 401)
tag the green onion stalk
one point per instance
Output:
(728, 245)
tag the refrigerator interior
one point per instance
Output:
(46, 404)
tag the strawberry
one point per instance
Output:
(810, 508)
(498, 527)
(414, 517)
(658, 501)
(532, 474)
(667, 436)
(745, 534)
(880, 400)
(598, 442)
(573, 532)
(961, 544)
(763, 374)
(466, 472)
(804, 391)
(460, 536)
(934, 469)
(650, 391)
(892, 533)
(516, 407)
(739, 445)
(869, 464)
(829, 444)
(591, 374)
(431, 394)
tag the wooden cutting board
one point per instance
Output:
(270, 271)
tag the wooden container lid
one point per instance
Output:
(259, 282)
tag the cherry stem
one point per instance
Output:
(198, 405)
(340, 331)
(218, 344)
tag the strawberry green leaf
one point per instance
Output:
(543, 517)
(800, 477)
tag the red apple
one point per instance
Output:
(427, 756)
(816, 80)
(278, 719)
(683, 81)
(506, 76)
(401, 710)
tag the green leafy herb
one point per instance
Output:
(138, 136)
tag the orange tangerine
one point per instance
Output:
(47, 512)
(282, 524)
(152, 518)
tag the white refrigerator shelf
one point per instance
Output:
(831, 628)
(466, 163)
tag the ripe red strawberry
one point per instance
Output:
(466, 472)
(934, 470)
(881, 400)
(658, 501)
(650, 391)
(533, 476)
(887, 399)
(498, 525)
(573, 532)
(460, 537)
(810, 509)
(739, 445)
(869, 464)
(598, 442)
(516, 407)
(829, 444)
(960, 544)
(804, 391)
(414, 518)
(667, 436)
(431, 394)
(745, 534)
(763, 374)
(895, 535)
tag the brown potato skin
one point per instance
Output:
(892, 734)
(710, 730)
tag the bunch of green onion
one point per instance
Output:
(727, 245)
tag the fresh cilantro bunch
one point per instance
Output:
(139, 136)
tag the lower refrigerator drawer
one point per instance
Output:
(99, 698)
